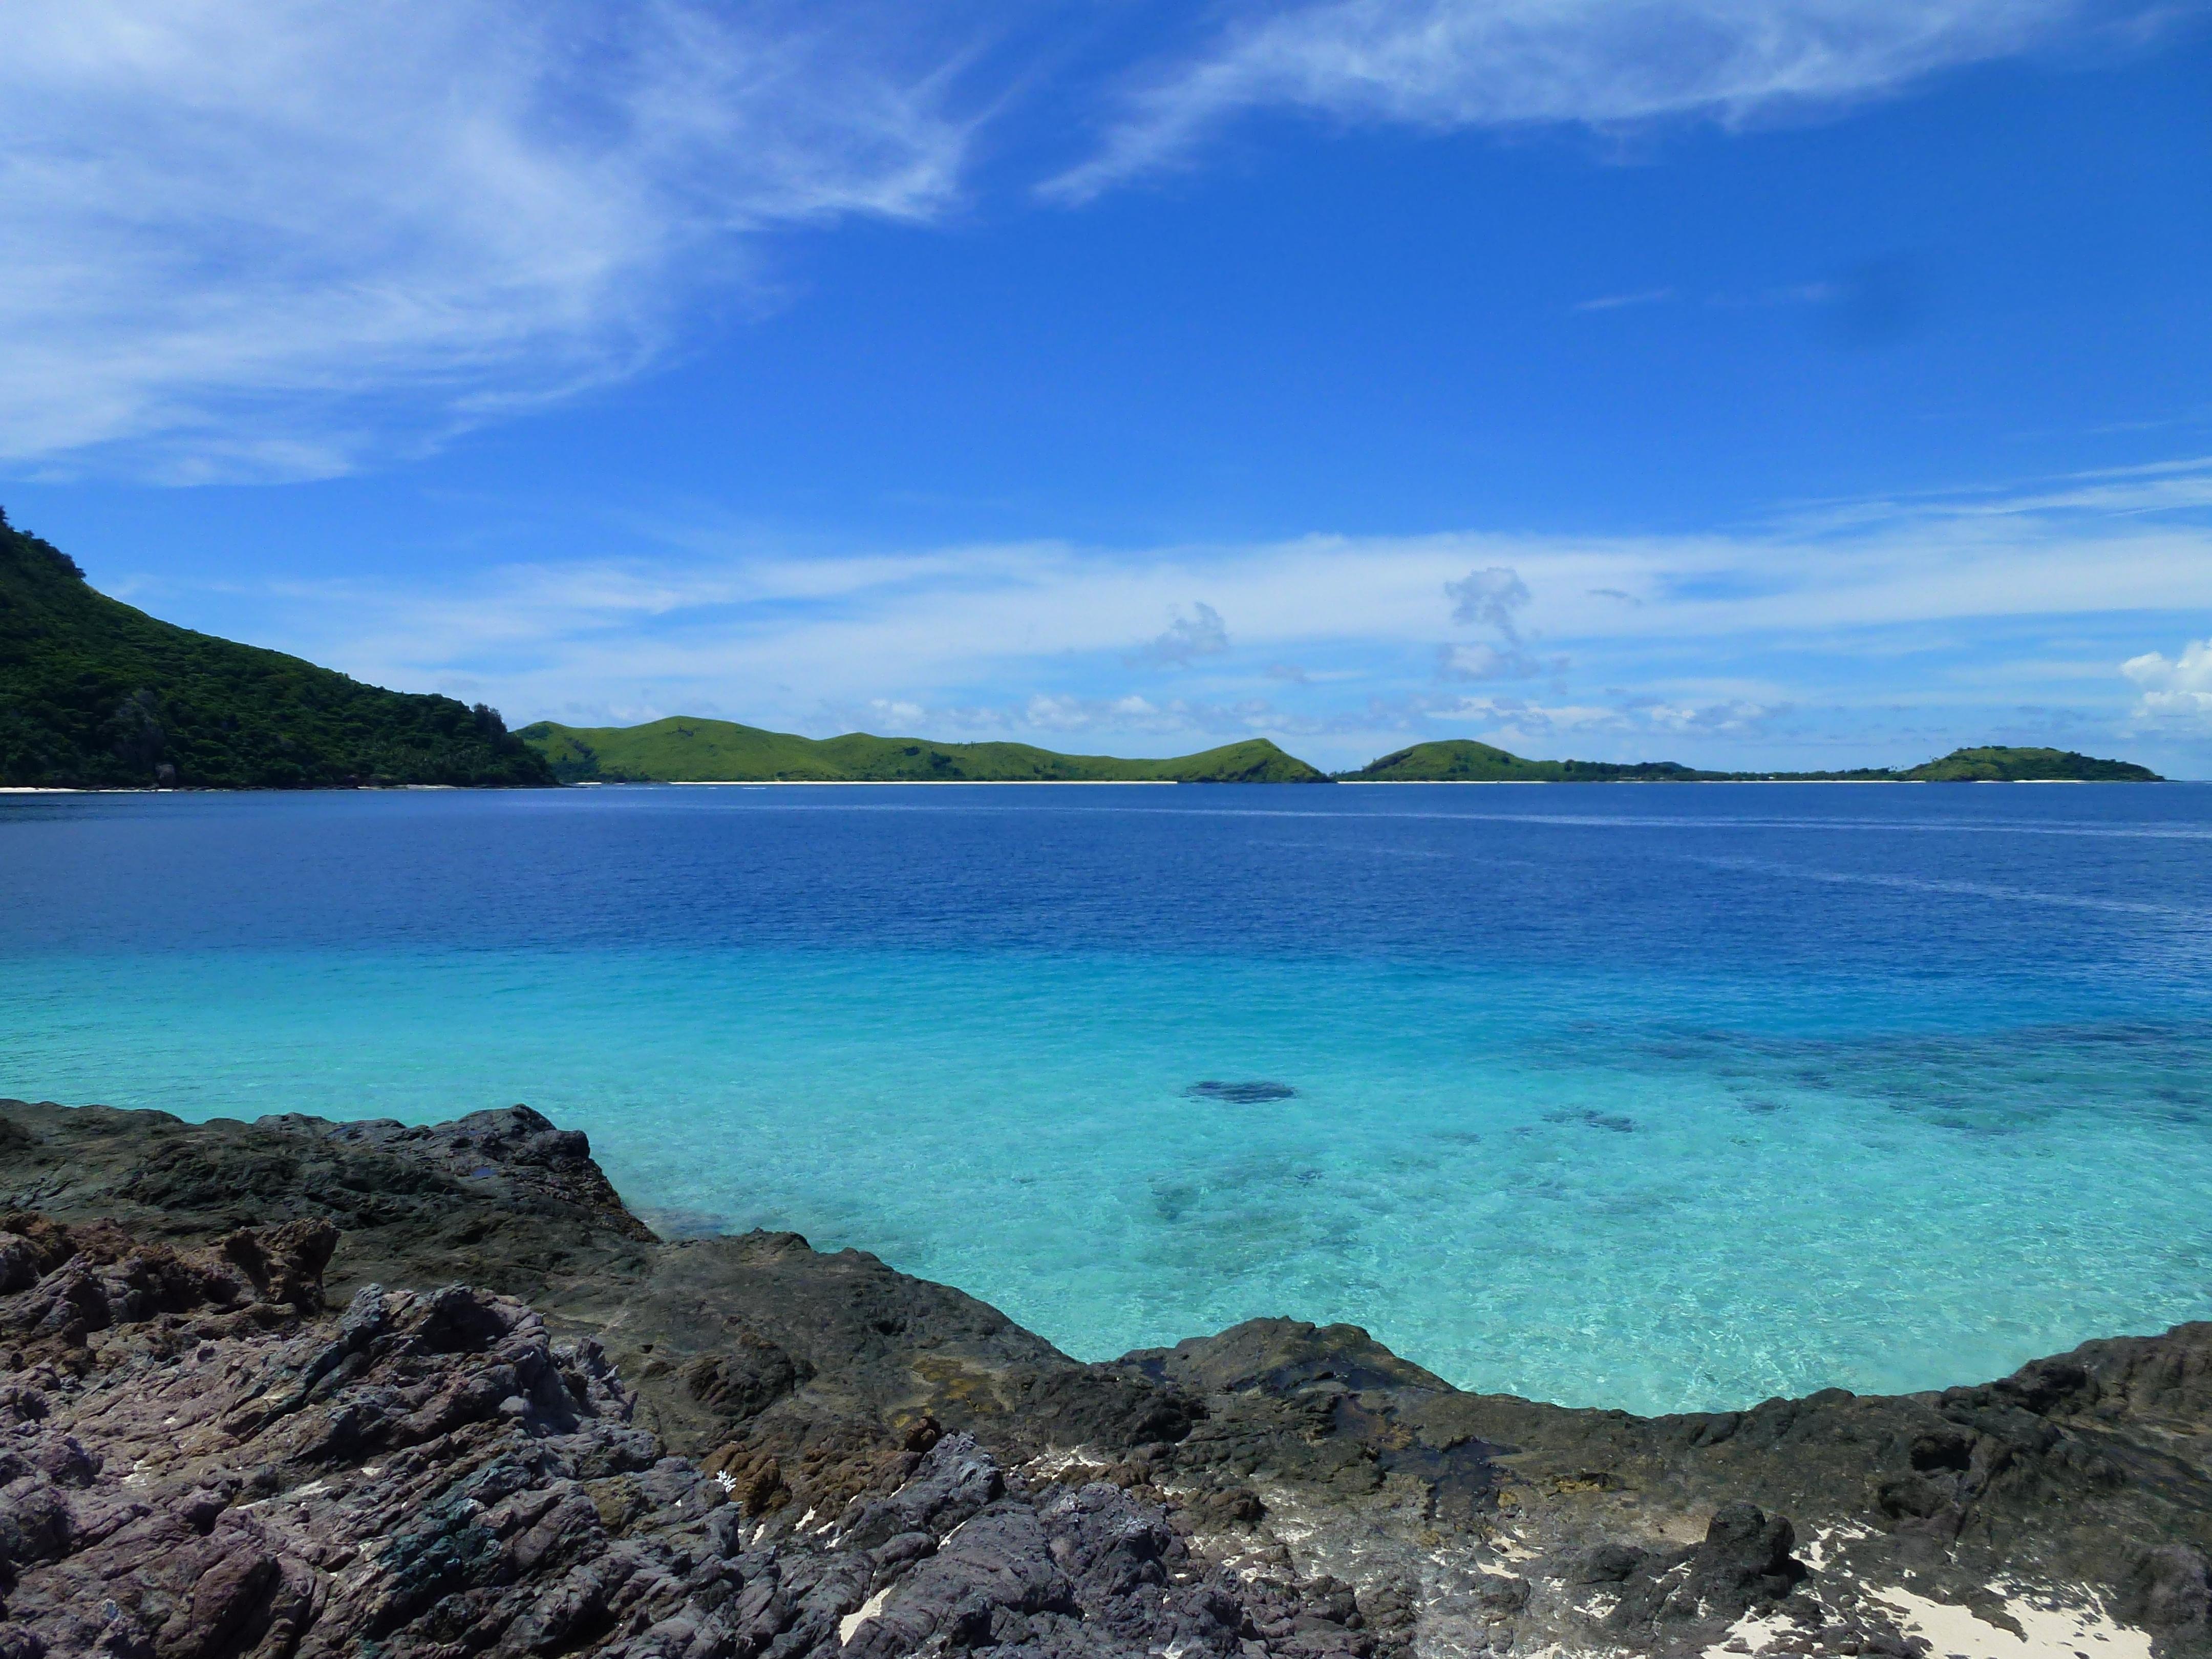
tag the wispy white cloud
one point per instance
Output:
(1447, 63)
(1539, 724)
(1738, 714)
(1521, 718)
(1649, 296)
(265, 237)
(1724, 635)
(1484, 662)
(1130, 713)
(274, 239)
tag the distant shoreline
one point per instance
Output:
(879, 783)
(1013, 783)
(1584, 783)
(249, 788)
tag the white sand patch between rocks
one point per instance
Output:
(1814, 1553)
(868, 1609)
(2049, 1632)
(1755, 1632)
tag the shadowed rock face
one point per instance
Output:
(820, 1365)
(873, 1442)
(518, 1201)
(193, 1468)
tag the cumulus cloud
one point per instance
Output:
(1489, 597)
(2177, 689)
(266, 238)
(1185, 639)
(1448, 63)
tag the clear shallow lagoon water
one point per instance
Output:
(1659, 1098)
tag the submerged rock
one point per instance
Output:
(1596, 1119)
(1240, 1094)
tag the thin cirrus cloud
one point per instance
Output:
(1441, 64)
(273, 239)
(1649, 296)
(262, 238)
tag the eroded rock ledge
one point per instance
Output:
(298, 1387)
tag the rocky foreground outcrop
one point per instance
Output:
(297, 1387)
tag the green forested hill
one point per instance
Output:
(683, 750)
(1460, 760)
(2003, 765)
(93, 694)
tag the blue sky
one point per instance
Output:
(1747, 382)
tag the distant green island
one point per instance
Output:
(1461, 760)
(686, 750)
(97, 695)
(681, 750)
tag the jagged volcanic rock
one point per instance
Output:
(195, 1463)
(745, 1447)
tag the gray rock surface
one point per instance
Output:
(249, 1408)
(198, 1461)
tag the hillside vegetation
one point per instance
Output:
(2002, 765)
(95, 694)
(1461, 760)
(684, 751)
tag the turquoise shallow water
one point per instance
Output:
(1650, 1099)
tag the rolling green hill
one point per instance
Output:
(1461, 760)
(2003, 765)
(93, 694)
(683, 750)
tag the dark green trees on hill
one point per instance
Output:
(682, 750)
(1461, 760)
(95, 694)
(2001, 764)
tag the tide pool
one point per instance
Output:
(1655, 1097)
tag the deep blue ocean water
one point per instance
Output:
(1650, 1096)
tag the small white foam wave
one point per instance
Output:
(1959, 889)
(941, 804)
